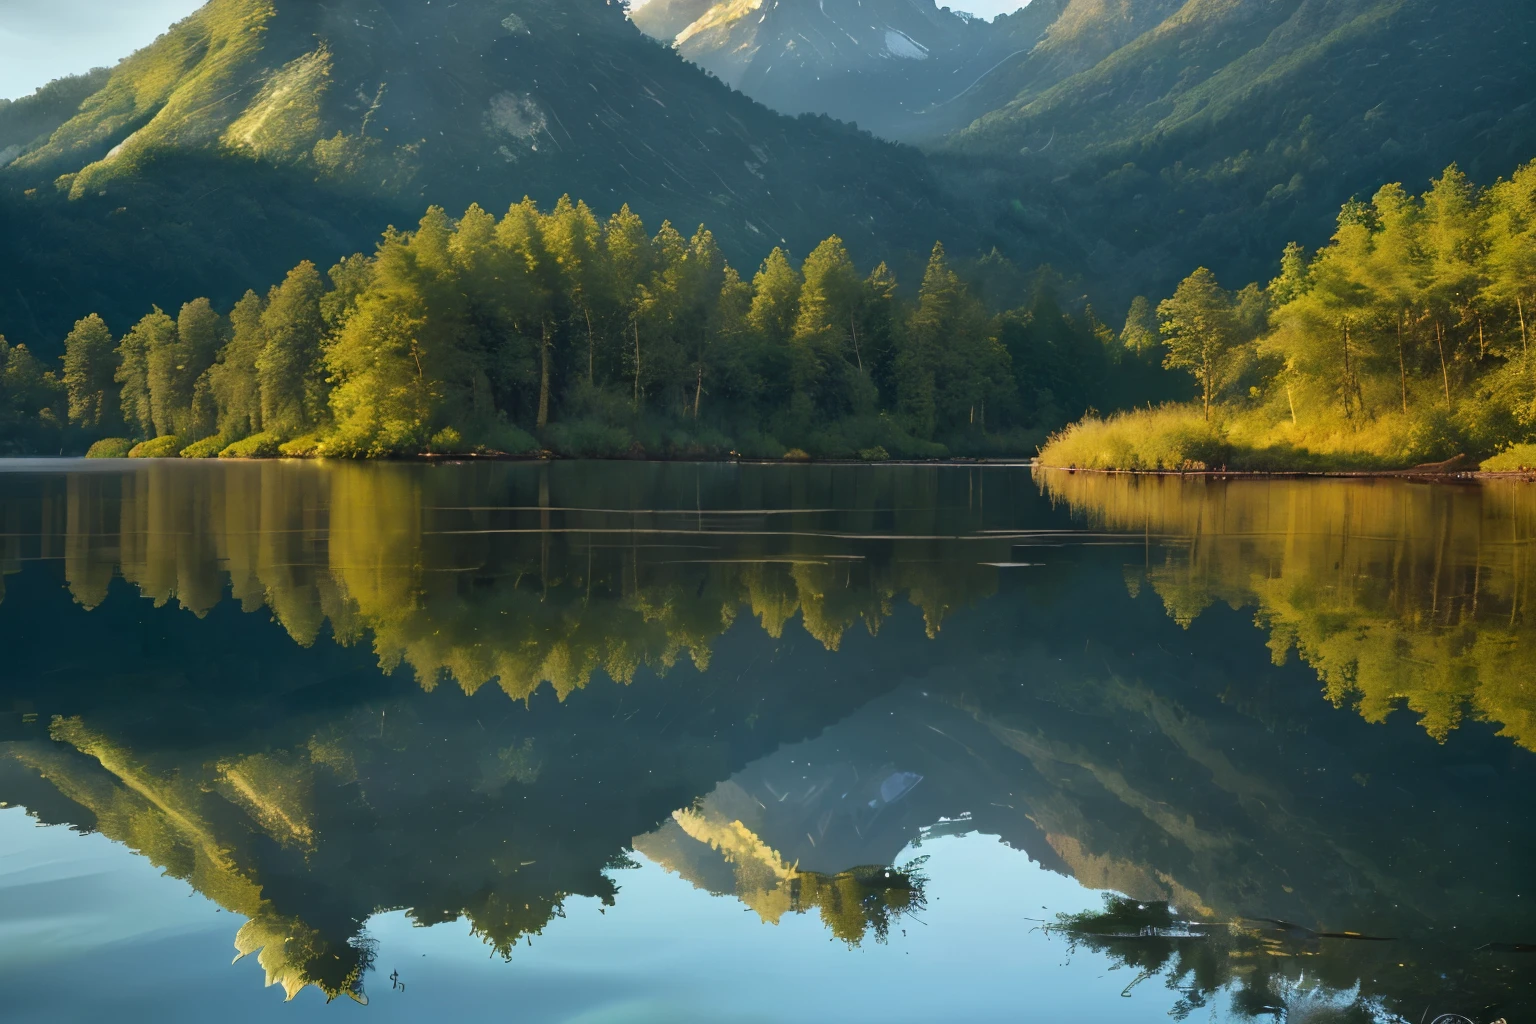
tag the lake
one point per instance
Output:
(587, 742)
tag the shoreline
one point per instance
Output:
(1426, 475)
(957, 463)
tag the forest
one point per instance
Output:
(1404, 341)
(554, 331)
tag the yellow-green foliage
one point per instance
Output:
(1356, 576)
(307, 447)
(207, 448)
(1520, 458)
(182, 92)
(284, 122)
(1178, 438)
(160, 448)
(110, 448)
(257, 446)
(1174, 437)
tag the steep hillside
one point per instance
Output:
(1231, 126)
(904, 69)
(258, 132)
(28, 122)
(665, 19)
(1157, 134)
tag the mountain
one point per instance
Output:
(1225, 128)
(28, 122)
(904, 69)
(1160, 134)
(666, 19)
(259, 132)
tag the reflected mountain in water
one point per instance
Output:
(688, 720)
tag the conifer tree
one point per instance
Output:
(90, 364)
(234, 380)
(630, 260)
(289, 367)
(156, 332)
(1139, 334)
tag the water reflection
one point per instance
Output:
(1395, 593)
(776, 683)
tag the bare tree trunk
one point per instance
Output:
(637, 362)
(591, 347)
(1291, 399)
(1402, 366)
(1445, 374)
(1524, 346)
(853, 324)
(544, 378)
(698, 390)
(1348, 376)
(1205, 384)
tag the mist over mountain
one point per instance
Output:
(259, 132)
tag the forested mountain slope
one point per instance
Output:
(1160, 134)
(258, 132)
(28, 122)
(1232, 126)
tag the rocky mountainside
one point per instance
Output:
(904, 69)
(259, 132)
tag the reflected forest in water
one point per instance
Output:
(1289, 718)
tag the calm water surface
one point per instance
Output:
(623, 742)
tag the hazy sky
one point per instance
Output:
(41, 40)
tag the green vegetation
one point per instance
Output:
(237, 144)
(110, 448)
(552, 330)
(1178, 133)
(1405, 341)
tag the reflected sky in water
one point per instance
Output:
(677, 742)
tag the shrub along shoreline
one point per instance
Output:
(1178, 439)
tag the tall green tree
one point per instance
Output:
(1140, 333)
(1199, 329)
(156, 332)
(290, 369)
(234, 379)
(90, 366)
(951, 363)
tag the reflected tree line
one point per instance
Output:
(565, 577)
(1399, 595)
(290, 782)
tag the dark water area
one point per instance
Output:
(646, 742)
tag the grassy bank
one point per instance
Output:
(873, 438)
(1179, 438)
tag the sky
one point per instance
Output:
(41, 40)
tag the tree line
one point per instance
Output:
(552, 329)
(1413, 323)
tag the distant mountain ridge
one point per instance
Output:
(896, 67)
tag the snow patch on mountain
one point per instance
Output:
(899, 44)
